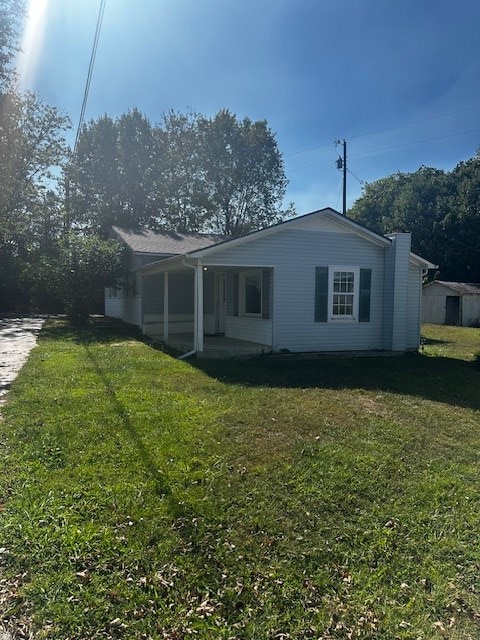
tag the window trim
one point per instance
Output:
(242, 292)
(354, 317)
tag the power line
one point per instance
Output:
(407, 124)
(362, 182)
(407, 144)
(320, 146)
(397, 126)
(90, 71)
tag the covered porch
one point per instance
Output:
(213, 311)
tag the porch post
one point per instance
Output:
(198, 309)
(165, 307)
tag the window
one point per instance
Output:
(251, 294)
(342, 294)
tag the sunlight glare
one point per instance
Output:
(32, 41)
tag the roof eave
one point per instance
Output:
(421, 262)
(168, 264)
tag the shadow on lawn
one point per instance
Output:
(163, 489)
(449, 380)
(99, 330)
(426, 341)
(454, 382)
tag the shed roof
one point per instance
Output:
(459, 287)
(164, 242)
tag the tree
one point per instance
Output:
(81, 267)
(31, 147)
(244, 174)
(189, 173)
(181, 188)
(441, 210)
(111, 177)
(461, 225)
(10, 13)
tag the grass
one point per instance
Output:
(146, 497)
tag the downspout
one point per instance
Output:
(187, 355)
(195, 340)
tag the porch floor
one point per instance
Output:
(217, 346)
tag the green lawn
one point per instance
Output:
(275, 498)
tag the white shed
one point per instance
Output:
(453, 303)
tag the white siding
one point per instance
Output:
(126, 308)
(294, 254)
(252, 329)
(433, 303)
(471, 310)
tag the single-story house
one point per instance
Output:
(454, 303)
(316, 283)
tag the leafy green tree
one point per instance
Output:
(111, 177)
(441, 210)
(244, 173)
(187, 173)
(81, 267)
(461, 224)
(181, 188)
(11, 11)
(31, 147)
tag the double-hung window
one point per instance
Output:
(342, 293)
(343, 298)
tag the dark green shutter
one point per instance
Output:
(266, 280)
(236, 294)
(321, 294)
(364, 300)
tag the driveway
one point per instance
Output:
(17, 337)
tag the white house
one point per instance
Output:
(455, 303)
(320, 282)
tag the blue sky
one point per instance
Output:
(398, 79)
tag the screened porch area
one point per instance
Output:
(209, 310)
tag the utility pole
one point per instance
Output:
(342, 164)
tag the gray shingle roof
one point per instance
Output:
(461, 287)
(165, 242)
